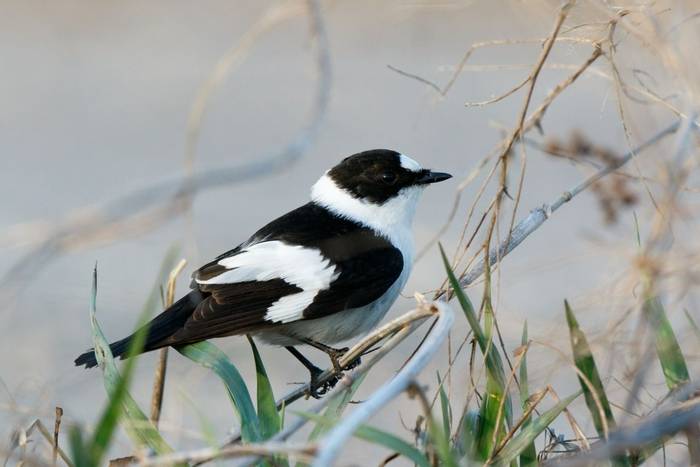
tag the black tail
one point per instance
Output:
(158, 330)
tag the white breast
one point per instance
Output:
(392, 219)
(344, 325)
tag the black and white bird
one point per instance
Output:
(321, 274)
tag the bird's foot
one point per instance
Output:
(335, 356)
(333, 353)
(318, 388)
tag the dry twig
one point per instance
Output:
(161, 366)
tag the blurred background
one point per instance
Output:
(95, 100)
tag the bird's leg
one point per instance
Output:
(316, 388)
(334, 355)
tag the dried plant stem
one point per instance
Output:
(394, 331)
(304, 452)
(532, 121)
(161, 367)
(539, 215)
(158, 386)
(502, 404)
(56, 431)
(532, 405)
(51, 438)
(575, 427)
(646, 430)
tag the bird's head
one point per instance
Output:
(375, 187)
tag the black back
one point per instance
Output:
(368, 264)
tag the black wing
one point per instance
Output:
(366, 266)
(232, 309)
(363, 279)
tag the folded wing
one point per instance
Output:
(272, 283)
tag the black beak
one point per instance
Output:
(427, 176)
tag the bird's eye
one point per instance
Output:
(389, 178)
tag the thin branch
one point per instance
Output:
(647, 430)
(532, 121)
(539, 215)
(304, 452)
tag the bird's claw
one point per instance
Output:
(354, 364)
(335, 356)
(318, 388)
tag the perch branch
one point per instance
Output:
(402, 327)
(404, 324)
(330, 445)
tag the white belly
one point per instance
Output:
(341, 326)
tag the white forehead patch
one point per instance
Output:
(409, 164)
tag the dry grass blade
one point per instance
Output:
(52, 439)
(56, 431)
(161, 367)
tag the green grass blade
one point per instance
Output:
(121, 403)
(441, 442)
(667, 348)
(468, 433)
(465, 303)
(488, 417)
(445, 408)
(495, 374)
(270, 421)
(79, 450)
(583, 357)
(494, 364)
(378, 437)
(210, 356)
(526, 436)
(528, 456)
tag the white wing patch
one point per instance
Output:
(303, 267)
